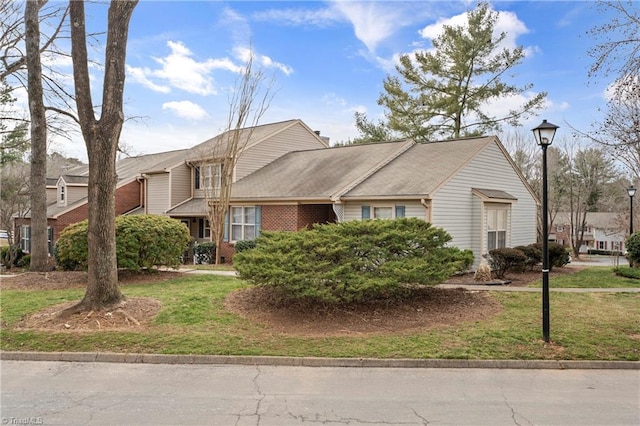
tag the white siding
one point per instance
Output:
(353, 210)
(180, 184)
(457, 211)
(295, 138)
(158, 193)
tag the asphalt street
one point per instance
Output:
(95, 393)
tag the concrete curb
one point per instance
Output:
(315, 361)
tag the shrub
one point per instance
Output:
(353, 261)
(633, 249)
(558, 254)
(11, 256)
(142, 241)
(533, 254)
(627, 272)
(25, 261)
(504, 259)
(204, 253)
(245, 245)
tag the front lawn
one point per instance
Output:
(193, 320)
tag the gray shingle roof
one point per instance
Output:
(392, 169)
(313, 174)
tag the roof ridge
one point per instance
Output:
(337, 195)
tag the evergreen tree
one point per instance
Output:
(444, 93)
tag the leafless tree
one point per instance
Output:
(101, 137)
(617, 50)
(247, 104)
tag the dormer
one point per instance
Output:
(71, 188)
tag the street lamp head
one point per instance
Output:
(544, 133)
(631, 191)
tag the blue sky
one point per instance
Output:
(327, 59)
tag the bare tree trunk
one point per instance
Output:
(101, 137)
(39, 247)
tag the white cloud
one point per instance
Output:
(507, 22)
(372, 22)
(186, 109)
(139, 75)
(181, 71)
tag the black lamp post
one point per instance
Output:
(631, 191)
(544, 134)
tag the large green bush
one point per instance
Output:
(142, 241)
(352, 261)
(633, 249)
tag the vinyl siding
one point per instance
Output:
(457, 210)
(295, 138)
(353, 211)
(180, 184)
(75, 193)
(158, 193)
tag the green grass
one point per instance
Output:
(593, 277)
(192, 321)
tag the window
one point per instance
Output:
(62, 190)
(204, 229)
(205, 175)
(243, 223)
(25, 239)
(496, 228)
(559, 228)
(382, 212)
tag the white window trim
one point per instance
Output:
(243, 225)
(485, 228)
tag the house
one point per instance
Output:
(157, 183)
(470, 187)
(603, 231)
(288, 178)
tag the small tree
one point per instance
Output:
(247, 105)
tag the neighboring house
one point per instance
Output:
(288, 178)
(603, 231)
(67, 196)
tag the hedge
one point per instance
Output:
(142, 241)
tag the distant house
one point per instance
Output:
(603, 231)
(288, 178)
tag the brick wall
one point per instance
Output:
(280, 218)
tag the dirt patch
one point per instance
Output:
(426, 308)
(133, 314)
